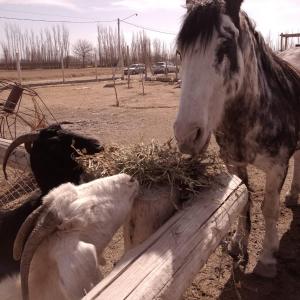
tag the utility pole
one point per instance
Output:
(120, 55)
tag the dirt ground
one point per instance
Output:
(90, 108)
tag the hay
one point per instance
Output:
(154, 164)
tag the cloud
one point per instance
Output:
(105, 8)
(273, 17)
(143, 5)
(62, 3)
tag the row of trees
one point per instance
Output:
(49, 46)
(44, 48)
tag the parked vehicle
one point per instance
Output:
(135, 69)
(164, 67)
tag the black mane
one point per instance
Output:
(282, 78)
(199, 22)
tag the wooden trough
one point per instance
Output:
(164, 265)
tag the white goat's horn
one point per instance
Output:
(25, 230)
(26, 138)
(46, 225)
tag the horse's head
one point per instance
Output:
(212, 69)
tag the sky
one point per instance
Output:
(271, 16)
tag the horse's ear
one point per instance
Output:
(233, 8)
(190, 4)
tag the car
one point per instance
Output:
(164, 67)
(135, 69)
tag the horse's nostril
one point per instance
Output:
(198, 135)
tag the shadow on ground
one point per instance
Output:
(287, 283)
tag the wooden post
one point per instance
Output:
(286, 43)
(18, 64)
(62, 65)
(96, 66)
(166, 70)
(142, 80)
(115, 88)
(164, 265)
(176, 64)
(128, 64)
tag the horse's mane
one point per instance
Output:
(199, 22)
(281, 77)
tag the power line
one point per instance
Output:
(41, 14)
(58, 21)
(87, 22)
(147, 28)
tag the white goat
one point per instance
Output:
(75, 223)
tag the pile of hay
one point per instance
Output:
(155, 164)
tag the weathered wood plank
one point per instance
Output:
(164, 265)
(18, 159)
(290, 35)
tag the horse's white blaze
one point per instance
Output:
(204, 90)
(202, 97)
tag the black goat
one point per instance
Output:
(52, 151)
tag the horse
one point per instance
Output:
(292, 55)
(235, 86)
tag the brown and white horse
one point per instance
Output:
(235, 86)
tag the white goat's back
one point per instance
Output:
(65, 266)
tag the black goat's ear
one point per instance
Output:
(233, 8)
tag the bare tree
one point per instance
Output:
(5, 54)
(83, 49)
(43, 48)
(108, 45)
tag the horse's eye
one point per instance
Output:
(228, 48)
(224, 49)
(228, 42)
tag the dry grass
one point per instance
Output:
(155, 163)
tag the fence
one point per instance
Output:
(284, 39)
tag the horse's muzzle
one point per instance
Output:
(195, 148)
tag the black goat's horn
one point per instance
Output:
(26, 138)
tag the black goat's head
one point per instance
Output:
(52, 151)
